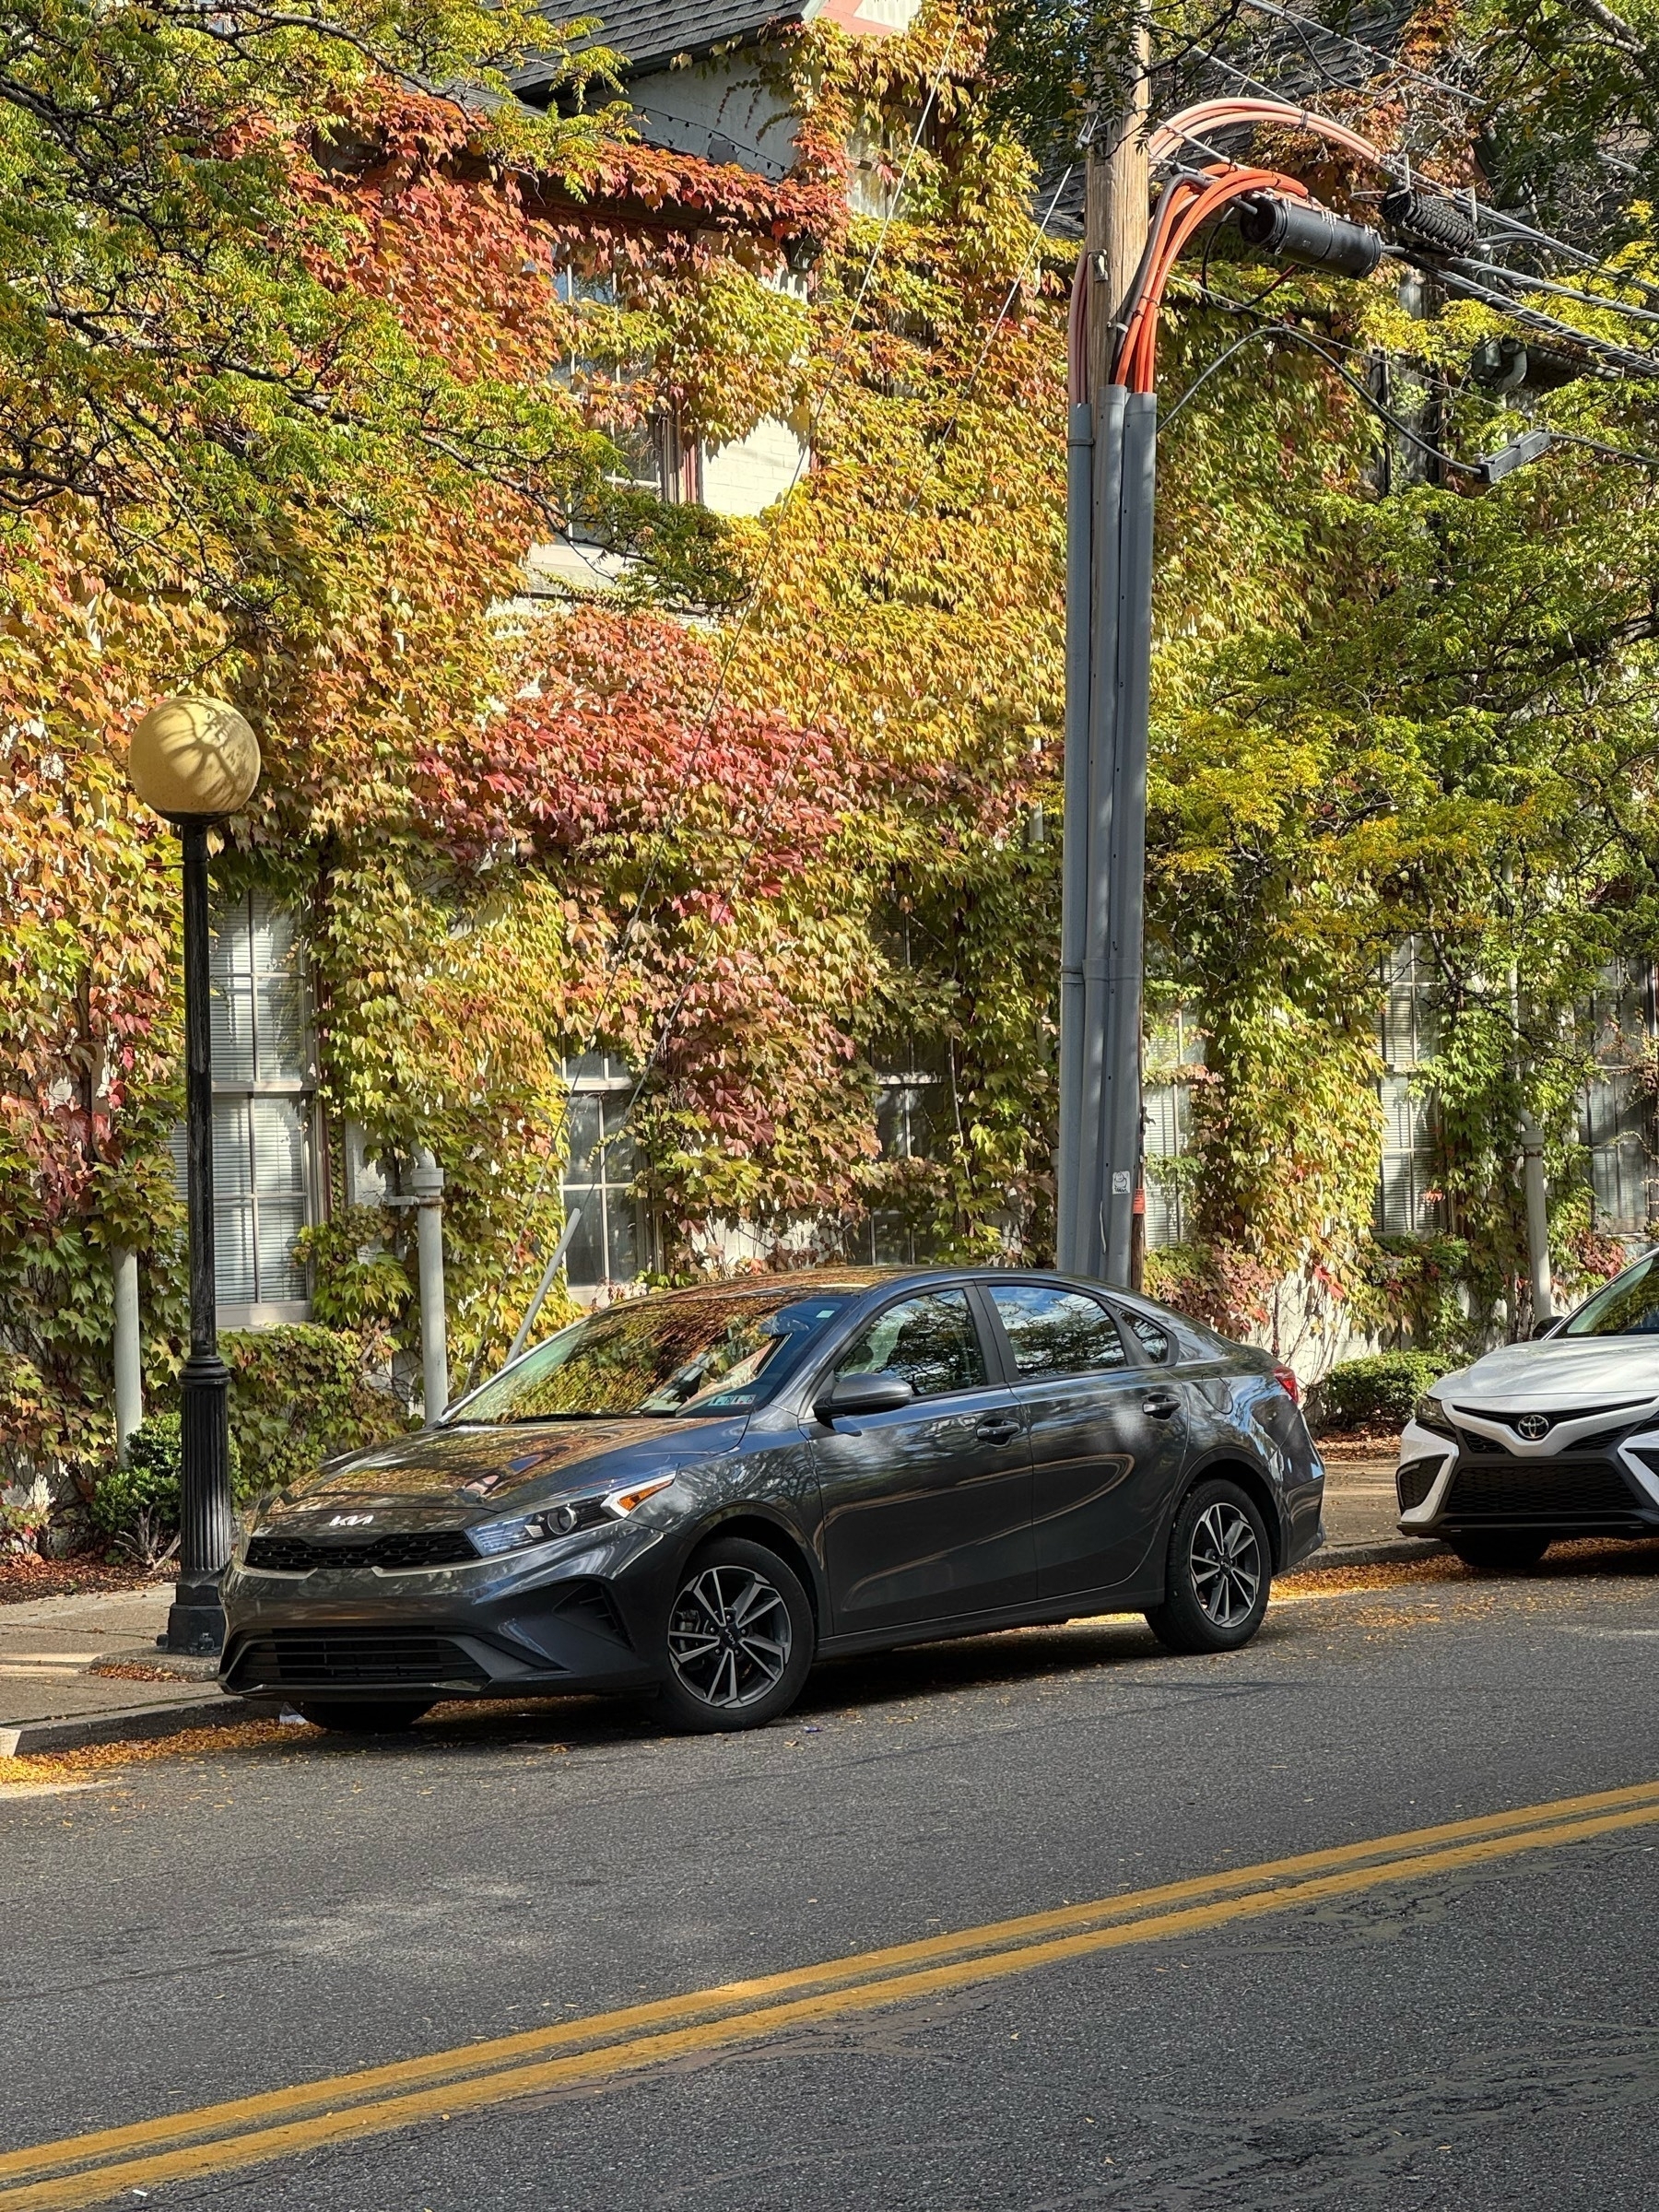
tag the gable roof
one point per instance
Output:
(654, 31)
(648, 34)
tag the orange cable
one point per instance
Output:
(1136, 365)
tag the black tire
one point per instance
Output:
(738, 1639)
(1498, 1550)
(1220, 1569)
(349, 1716)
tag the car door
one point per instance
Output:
(1107, 1435)
(927, 1509)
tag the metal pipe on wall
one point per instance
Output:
(1109, 574)
(426, 1186)
(1073, 869)
(1088, 1216)
(1538, 1219)
(1125, 859)
(128, 1350)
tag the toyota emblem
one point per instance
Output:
(1534, 1427)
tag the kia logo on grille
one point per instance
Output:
(1534, 1427)
(350, 1520)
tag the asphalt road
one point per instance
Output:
(1480, 2029)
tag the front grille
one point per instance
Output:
(1492, 1447)
(412, 1548)
(1482, 1446)
(1569, 1490)
(305, 1658)
(1415, 1481)
(1603, 1441)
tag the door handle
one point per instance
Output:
(1160, 1405)
(998, 1429)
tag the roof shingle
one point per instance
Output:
(649, 33)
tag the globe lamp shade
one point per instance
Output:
(193, 760)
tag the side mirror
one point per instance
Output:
(1548, 1328)
(878, 1393)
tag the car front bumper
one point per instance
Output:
(1445, 1486)
(552, 1622)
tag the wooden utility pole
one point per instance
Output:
(1116, 191)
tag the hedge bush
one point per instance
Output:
(1359, 1393)
(298, 1395)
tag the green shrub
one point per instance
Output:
(135, 1509)
(298, 1395)
(1384, 1389)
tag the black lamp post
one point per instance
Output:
(195, 761)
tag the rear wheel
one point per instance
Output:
(1219, 1572)
(738, 1639)
(358, 1717)
(1500, 1551)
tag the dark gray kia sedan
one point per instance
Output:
(699, 1493)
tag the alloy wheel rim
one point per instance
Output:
(1226, 1564)
(729, 1637)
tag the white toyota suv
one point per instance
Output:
(1554, 1439)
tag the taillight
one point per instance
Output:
(1285, 1379)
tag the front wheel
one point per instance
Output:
(1220, 1569)
(738, 1640)
(349, 1716)
(1500, 1551)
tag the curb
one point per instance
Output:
(131, 1721)
(1388, 1551)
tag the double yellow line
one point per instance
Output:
(219, 2139)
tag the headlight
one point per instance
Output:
(564, 1518)
(1428, 1413)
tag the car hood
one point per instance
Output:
(1561, 1372)
(475, 1468)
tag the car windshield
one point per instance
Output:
(719, 1353)
(1628, 1307)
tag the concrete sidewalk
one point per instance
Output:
(53, 1696)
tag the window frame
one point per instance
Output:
(609, 1190)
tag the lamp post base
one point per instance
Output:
(195, 1620)
(196, 1623)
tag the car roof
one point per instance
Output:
(824, 1279)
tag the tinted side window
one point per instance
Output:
(1056, 1332)
(1155, 1341)
(931, 1341)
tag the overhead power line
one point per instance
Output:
(1277, 326)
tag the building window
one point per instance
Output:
(905, 1104)
(608, 1247)
(1616, 1117)
(264, 1183)
(1408, 1203)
